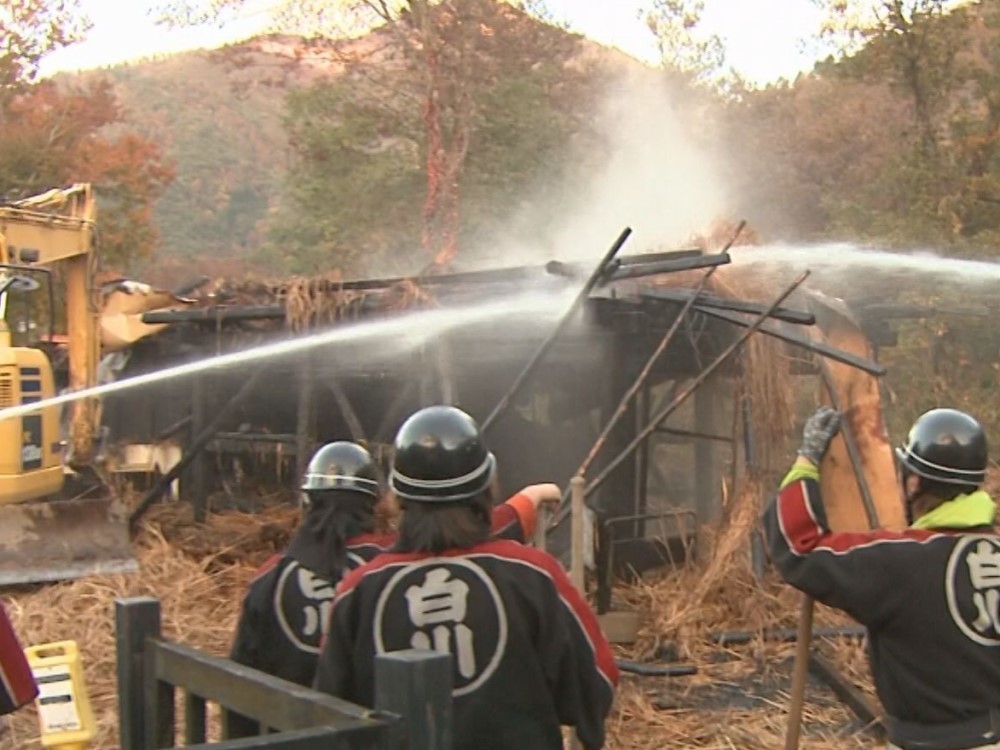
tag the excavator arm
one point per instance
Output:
(58, 228)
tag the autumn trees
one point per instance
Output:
(412, 97)
(430, 128)
(51, 136)
(31, 29)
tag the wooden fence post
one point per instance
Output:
(135, 620)
(416, 685)
(160, 711)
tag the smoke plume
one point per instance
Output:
(649, 173)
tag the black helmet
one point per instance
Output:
(946, 445)
(342, 465)
(441, 457)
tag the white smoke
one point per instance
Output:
(655, 179)
(650, 176)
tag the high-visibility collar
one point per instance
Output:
(962, 512)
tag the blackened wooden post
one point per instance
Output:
(304, 419)
(416, 685)
(679, 399)
(642, 463)
(135, 621)
(194, 719)
(203, 438)
(708, 419)
(198, 470)
(757, 554)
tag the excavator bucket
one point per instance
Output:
(859, 396)
(55, 540)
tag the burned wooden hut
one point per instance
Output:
(639, 380)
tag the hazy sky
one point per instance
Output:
(764, 38)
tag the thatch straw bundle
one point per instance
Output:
(740, 696)
(310, 302)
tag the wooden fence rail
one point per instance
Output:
(413, 701)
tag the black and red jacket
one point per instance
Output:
(286, 607)
(929, 597)
(528, 653)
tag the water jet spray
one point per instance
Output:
(417, 328)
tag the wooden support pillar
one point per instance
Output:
(642, 413)
(619, 496)
(197, 489)
(709, 420)
(305, 417)
(196, 445)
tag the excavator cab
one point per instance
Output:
(57, 521)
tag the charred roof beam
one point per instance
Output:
(618, 272)
(215, 313)
(639, 266)
(817, 347)
(786, 314)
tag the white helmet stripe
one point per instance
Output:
(931, 465)
(434, 484)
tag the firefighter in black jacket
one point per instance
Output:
(287, 605)
(527, 651)
(929, 595)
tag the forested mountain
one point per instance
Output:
(233, 121)
(218, 117)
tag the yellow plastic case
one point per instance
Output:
(65, 718)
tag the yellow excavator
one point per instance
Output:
(58, 518)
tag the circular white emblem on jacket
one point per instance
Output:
(444, 604)
(972, 585)
(302, 602)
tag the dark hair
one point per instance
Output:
(436, 527)
(333, 516)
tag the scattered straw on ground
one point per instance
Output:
(199, 579)
(740, 695)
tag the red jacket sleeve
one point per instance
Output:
(514, 519)
(858, 572)
(17, 683)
